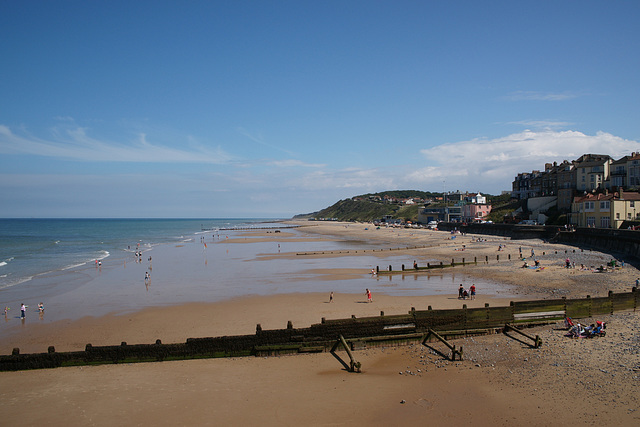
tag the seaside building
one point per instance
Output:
(475, 208)
(605, 210)
(564, 186)
(592, 172)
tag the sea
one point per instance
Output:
(34, 247)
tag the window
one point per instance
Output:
(604, 222)
(591, 221)
(617, 215)
(632, 204)
(589, 206)
(604, 206)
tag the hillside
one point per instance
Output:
(373, 206)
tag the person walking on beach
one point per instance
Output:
(369, 298)
(472, 289)
(23, 311)
(331, 297)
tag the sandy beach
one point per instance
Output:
(502, 381)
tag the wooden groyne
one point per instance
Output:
(462, 262)
(358, 333)
(249, 228)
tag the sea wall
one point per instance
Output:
(359, 332)
(618, 241)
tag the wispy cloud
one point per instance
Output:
(292, 163)
(77, 144)
(529, 95)
(258, 139)
(542, 124)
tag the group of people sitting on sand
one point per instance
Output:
(577, 330)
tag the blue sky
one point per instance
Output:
(274, 108)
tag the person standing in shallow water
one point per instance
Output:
(23, 311)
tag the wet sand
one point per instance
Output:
(502, 381)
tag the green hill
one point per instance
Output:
(374, 206)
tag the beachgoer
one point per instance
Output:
(568, 263)
(6, 311)
(465, 294)
(638, 282)
(472, 289)
(331, 297)
(41, 308)
(369, 298)
(532, 253)
(415, 264)
(23, 311)
(460, 291)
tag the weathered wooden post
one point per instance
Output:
(611, 300)
(289, 324)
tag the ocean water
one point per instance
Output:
(30, 248)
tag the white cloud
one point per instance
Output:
(76, 144)
(491, 165)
